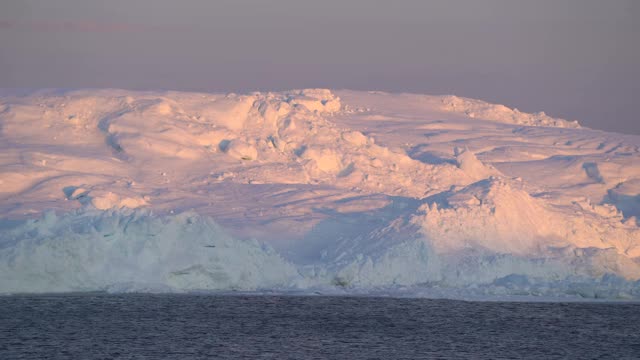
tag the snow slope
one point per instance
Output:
(312, 190)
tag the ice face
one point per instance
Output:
(127, 251)
(124, 250)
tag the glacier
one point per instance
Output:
(312, 191)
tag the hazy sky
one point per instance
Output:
(576, 59)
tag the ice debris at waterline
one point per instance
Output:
(316, 190)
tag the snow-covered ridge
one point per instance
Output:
(484, 110)
(340, 189)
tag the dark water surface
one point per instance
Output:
(288, 327)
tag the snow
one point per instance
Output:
(310, 191)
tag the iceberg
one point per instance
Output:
(312, 190)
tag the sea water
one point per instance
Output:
(101, 326)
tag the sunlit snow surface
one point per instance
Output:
(312, 191)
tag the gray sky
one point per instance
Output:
(576, 59)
